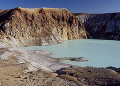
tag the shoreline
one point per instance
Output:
(37, 59)
(36, 65)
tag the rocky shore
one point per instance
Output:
(35, 68)
(35, 59)
(20, 67)
(78, 59)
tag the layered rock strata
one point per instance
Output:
(101, 26)
(40, 26)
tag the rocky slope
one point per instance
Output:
(90, 76)
(40, 26)
(101, 26)
(28, 68)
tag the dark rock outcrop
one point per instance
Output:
(90, 76)
(101, 26)
(78, 59)
(40, 26)
(114, 68)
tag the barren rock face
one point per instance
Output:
(101, 26)
(40, 26)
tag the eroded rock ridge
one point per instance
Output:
(101, 26)
(39, 26)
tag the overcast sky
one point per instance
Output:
(75, 6)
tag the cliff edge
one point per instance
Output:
(39, 26)
(101, 26)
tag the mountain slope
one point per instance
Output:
(101, 26)
(40, 26)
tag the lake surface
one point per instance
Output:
(99, 53)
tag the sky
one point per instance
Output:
(74, 6)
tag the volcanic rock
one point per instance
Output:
(39, 26)
(101, 26)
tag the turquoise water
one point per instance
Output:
(99, 53)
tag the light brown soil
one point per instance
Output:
(13, 74)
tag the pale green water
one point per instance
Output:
(99, 53)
